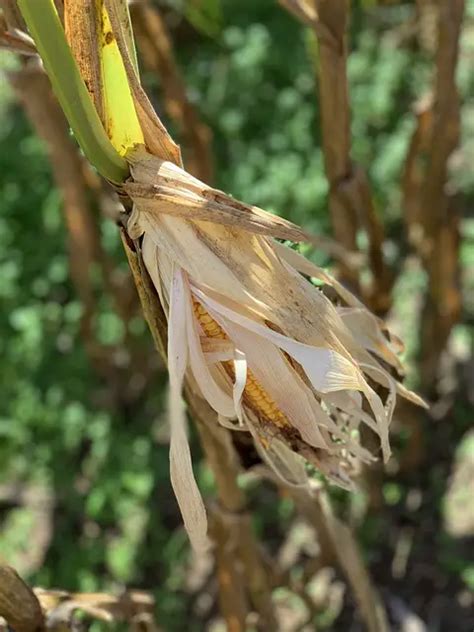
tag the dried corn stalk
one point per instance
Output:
(268, 350)
(350, 199)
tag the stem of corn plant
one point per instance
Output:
(233, 528)
(439, 216)
(84, 198)
(350, 200)
(44, 25)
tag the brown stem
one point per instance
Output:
(356, 194)
(231, 524)
(338, 545)
(81, 192)
(228, 519)
(430, 210)
(335, 120)
(85, 45)
(350, 199)
(236, 526)
(33, 89)
(413, 174)
(233, 602)
(445, 133)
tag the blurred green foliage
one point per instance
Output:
(249, 68)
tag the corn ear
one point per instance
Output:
(254, 394)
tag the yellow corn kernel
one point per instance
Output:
(254, 395)
(208, 324)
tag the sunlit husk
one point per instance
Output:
(268, 349)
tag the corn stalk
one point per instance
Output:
(440, 219)
(431, 215)
(321, 344)
(350, 200)
(84, 196)
(87, 121)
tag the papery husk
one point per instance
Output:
(182, 476)
(321, 364)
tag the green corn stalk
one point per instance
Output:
(104, 144)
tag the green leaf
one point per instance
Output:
(45, 27)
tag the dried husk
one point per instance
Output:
(298, 371)
(324, 366)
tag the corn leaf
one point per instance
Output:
(43, 22)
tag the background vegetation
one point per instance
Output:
(85, 497)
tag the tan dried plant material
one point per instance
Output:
(269, 351)
(266, 347)
(61, 607)
(32, 610)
